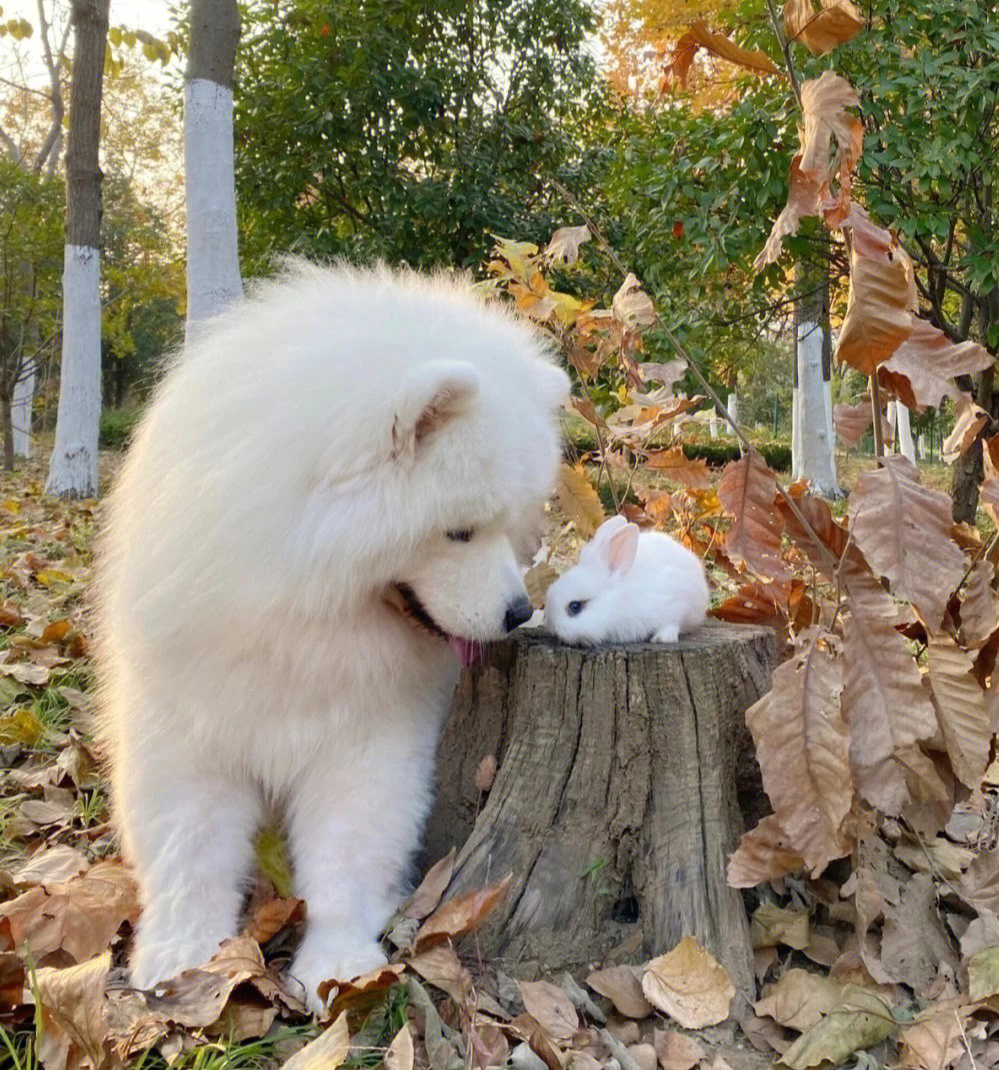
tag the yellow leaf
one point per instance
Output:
(689, 985)
(579, 501)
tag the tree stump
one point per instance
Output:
(623, 773)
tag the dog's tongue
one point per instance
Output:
(465, 650)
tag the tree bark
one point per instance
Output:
(21, 406)
(73, 467)
(623, 776)
(213, 279)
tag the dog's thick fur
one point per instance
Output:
(290, 490)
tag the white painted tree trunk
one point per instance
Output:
(813, 446)
(20, 410)
(73, 469)
(713, 424)
(901, 430)
(213, 279)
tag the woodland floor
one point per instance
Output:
(67, 900)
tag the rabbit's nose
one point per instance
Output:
(517, 612)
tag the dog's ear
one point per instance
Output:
(432, 394)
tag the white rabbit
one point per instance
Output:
(628, 587)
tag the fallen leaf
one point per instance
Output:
(799, 999)
(771, 925)
(326, 1052)
(70, 1004)
(935, 1039)
(426, 897)
(51, 865)
(440, 966)
(860, 1020)
(689, 985)
(677, 1051)
(551, 1008)
(272, 916)
(622, 987)
(460, 915)
(764, 854)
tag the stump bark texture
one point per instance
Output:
(623, 773)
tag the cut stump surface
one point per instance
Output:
(623, 773)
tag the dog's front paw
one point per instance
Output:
(157, 957)
(328, 959)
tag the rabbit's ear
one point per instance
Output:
(620, 550)
(593, 551)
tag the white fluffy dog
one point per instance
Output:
(325, 504)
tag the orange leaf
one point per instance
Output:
(675, 466)
(802, 200)
(852, 421)
(822, 31)
(461, 915)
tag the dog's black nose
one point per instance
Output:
(517, 612)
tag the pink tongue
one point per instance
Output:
(465, 650)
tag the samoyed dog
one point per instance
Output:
(322, 514)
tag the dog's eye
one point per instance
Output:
(574, 608)
(461, 535)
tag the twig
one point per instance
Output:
(879, 440)
(747, 446)
(785, 48)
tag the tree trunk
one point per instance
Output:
(8, 433)
(813, 443)
(24, 396)
(213, 279)
(73, 467)
(623, 775)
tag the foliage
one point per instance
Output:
(404, 131)
(117, 426)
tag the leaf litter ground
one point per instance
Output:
(896, 951)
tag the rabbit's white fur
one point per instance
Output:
(628, 587)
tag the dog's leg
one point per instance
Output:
(352, 833)
(190, 840)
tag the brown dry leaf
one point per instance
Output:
(961, 709)
(934, 1040)
(272, 916)
(79, 917)
(426, 897)
(441, 967)
(677, 1051)
(764, 854)
(918, 557)
(537, 579)
(803, 749)
(983, 974)
(772, 925)
(822, 31)
(861, 1019)
(622, 987)
(401, 1054)
(72, 1027)
(969, 420)
(914, 945)
(485, 773)
(980, 885)
(747, 489)
(852, 421)
(689, 985)
(551, 1008)
(980, 606)
(460, 915)
(586, 409)
(52, 865)
(326, 1052)
(565, 242)
(824, 101)
(799, 999)
(877, 317)
(923, 368)
(699, 36)
(632, 306)
(489, 1046)
(802, 200)
(579, 501)
(12, 981)
(359, 994)
(675, 466)
(884, 703)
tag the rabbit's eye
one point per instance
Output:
(461, 534)
(574, 608)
